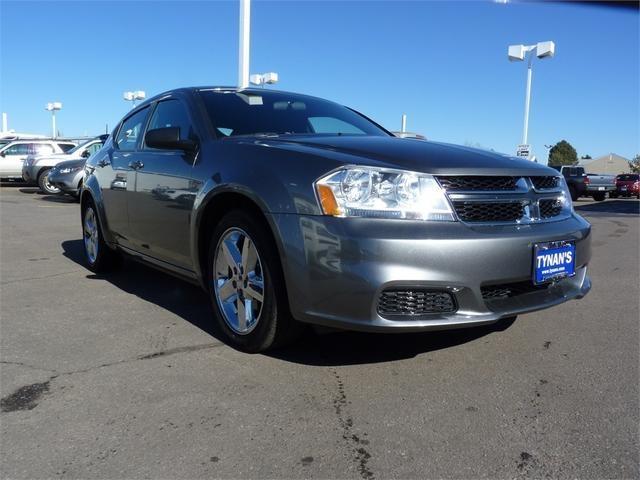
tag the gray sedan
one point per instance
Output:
(289, 209)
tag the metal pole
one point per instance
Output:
(525, 133)
(243, 47)
(404, 123)
(4, 122)
(53, 122)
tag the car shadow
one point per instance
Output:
(59, 198)
(625, 207)
(317, 347)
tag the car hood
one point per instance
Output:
(409, 154)
(71, 163)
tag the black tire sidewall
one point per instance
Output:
(41, 182)
(272, 316)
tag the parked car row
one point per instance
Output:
(13, 154)
(582, 184)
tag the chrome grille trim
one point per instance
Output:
(538, 204)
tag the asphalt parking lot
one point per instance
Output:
(122, 376)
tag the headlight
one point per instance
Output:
(69, 169)
(382, 193)
(567, 204)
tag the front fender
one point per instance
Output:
(91, 189)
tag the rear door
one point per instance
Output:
(161, 202)
(116, 174)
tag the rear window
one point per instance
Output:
(628, 178)
(65, 147)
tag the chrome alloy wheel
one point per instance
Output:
(50, 187)
(90, 235)
(238, 281)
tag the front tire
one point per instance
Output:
(246, 284)
(45, 185)
(100, 258)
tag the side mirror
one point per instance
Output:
(86, 154)
(168, 138)
(2, 154)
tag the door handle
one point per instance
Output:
(136, 165)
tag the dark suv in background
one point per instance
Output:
(289, 209)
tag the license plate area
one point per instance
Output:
(553, 261)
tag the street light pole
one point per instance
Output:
(243, 46)
(518, 53)
(52, 107)
(527, 102)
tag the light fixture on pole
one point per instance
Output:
(134, 96)
(517, 53)
(263, 79)
(53, 107)
(243, 44)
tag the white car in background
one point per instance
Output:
(36, 167)
(13, 154)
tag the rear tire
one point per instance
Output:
(45, 186)
(100, 258)
(246, 285)
(599, 197)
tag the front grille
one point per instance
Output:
(508, 290)
(470, 184)
(550, 208)
(414, 302)
(488, 212)
(545, 183)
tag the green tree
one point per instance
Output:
(635, 164)
(562, 153)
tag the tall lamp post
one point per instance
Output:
(53, 107)
(134, 96)
(517, 53)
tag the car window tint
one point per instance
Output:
(18, 149)
(332, 125)
(65, 147)
(94, 148)
(268, 112)
(127, 138)
(172, 113)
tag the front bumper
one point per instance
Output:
(337, 268)
(67, 182)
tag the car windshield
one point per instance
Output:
(275, 113)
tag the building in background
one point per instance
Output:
(611, 163)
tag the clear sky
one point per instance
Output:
(444, 64)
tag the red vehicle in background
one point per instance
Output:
(627, 185)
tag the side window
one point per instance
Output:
(40, 148)
(18, 149)
(94, 148)
(172, 113)
(65, 147)
(130, 131)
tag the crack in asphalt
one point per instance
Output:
(26, 397)
(8, 282)
(361, 455)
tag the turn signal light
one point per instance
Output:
(328, 201)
